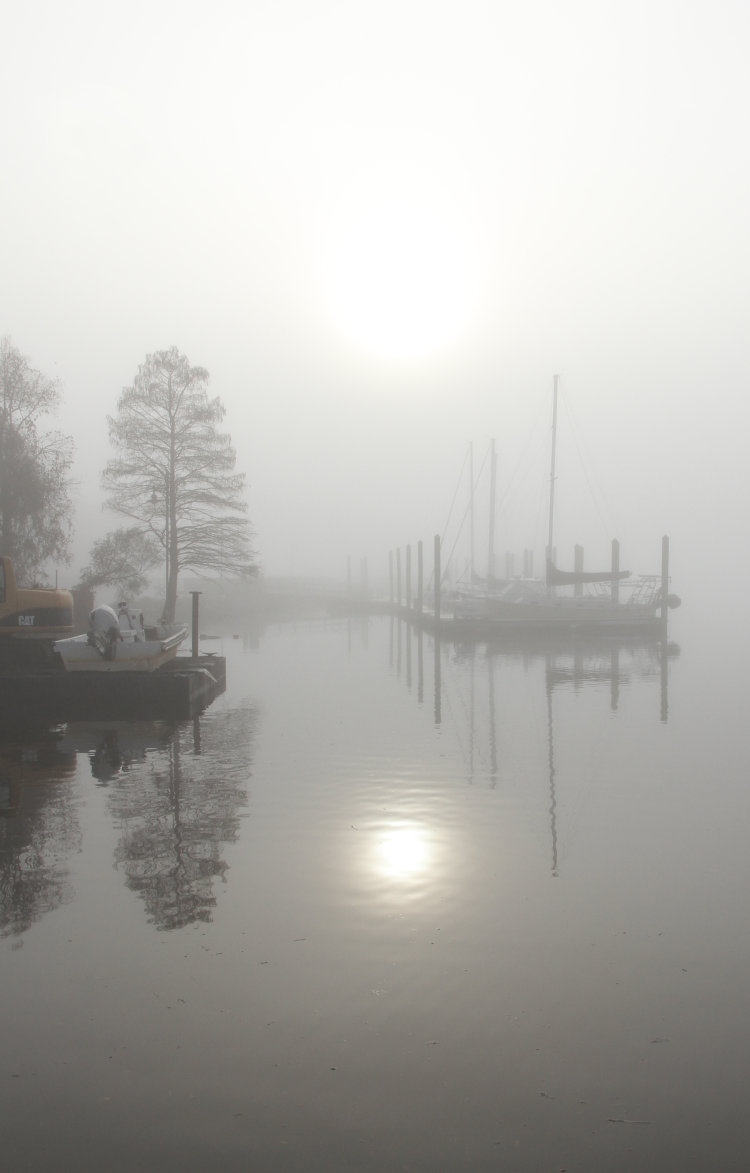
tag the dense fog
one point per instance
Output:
(383, 229)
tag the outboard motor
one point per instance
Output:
(104, 631)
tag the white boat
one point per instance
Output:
(531, 608)
(128, 645)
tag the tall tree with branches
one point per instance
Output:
(174, 474)
(35, 505)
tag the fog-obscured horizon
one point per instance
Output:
(383, 229)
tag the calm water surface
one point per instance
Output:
(385, 909)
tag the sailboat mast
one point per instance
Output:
(493, 483)
(471, 513)
(551, 531)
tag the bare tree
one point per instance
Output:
(35, 505)
(122, 559)
(174, 475)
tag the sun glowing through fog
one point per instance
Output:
(398, 270)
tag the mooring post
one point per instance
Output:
(408, 578)
(578, 567)
(398, 577)
(493, 495)
(390, 578)
(420, 578)
(196, 625)
(664, 579)
(437, 580)
(615, 570)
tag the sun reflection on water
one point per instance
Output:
(403, 852)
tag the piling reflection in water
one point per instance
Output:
(489, 725)
(176, 791)
(650, 661)
(468, 907)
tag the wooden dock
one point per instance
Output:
(534, 618)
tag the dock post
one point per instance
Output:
(390, 577)
(437, 580)
(408, 578)
(664, 579)
(615, 571)
(398, 577)
(420, 578)
(578, 567)
(196, 625)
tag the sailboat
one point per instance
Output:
(614, 603)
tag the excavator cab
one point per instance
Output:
(34, 612)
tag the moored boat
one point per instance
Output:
(121, 643)
(607, 602)
(528, 605)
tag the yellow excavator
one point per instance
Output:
(30, 618)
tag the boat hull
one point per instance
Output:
(78, 655)
(545, 621)
(546, 626)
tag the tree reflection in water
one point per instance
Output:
(39, 828)
(176, 809)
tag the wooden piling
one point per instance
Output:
(615, 571)
(398, 577)
(438, 711)
(408, 578)
(664, 579)
(196, 624)
(578, 567)
(420, 578)
(437, 578)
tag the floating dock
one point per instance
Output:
(534, 616)
(568, 627)
(179, 690)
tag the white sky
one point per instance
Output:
(383, 227)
